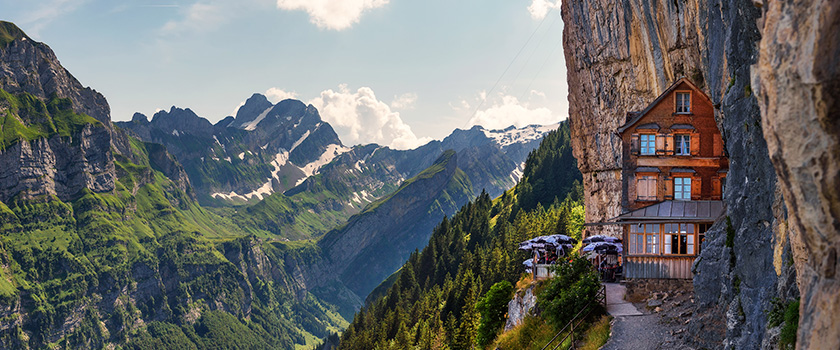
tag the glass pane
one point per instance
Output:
(691, 244)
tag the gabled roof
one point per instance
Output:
(636, 116)
(682, 211)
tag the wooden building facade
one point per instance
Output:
(673, 180)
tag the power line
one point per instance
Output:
(483, 100)
(556, 45)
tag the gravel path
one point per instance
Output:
(636, 333)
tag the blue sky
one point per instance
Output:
(396, 72)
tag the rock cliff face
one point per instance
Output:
(621, 55)
(58, 166)
(798, 73)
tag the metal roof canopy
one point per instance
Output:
(666, 210)
(670, 211)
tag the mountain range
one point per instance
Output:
(262, 230)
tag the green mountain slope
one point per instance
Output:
(431, 302)
(146, 265)
(374, 243)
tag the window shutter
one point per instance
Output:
(634, 144)
(716, 188)
(696, 187)
(695, 144)
(660, 144)
(640, 187)
(669, 144)
(718, 145)
(669, 188)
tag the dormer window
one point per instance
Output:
(683, 102)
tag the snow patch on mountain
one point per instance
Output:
(251, 125)
(300, 140)
(517, 173)
(512, 135)
(362, 197)
(326, 157)
(280, 159)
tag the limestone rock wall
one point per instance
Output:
(622, 54)
(58, 166)
(798, 73)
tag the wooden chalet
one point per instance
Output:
(673, 179)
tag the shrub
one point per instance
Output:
(787, 339)
(574, 286)
(492, 308)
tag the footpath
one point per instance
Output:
(631, 328)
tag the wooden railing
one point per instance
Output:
(580, 317)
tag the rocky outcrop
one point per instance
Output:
(797, 82)
(58, 166)
(621, 55)
(520, 306)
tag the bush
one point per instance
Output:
(492, 308)
(574, 286)
(787, 339)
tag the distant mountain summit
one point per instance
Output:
(266, 148)
(272, 148)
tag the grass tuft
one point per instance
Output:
(597, 335)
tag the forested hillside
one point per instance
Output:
(431, 302)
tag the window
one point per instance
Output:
(682, 143)
(636, 239)
(646, 188)
(679, 239)
(651, 238)
(683, 102)
(682, 188)
(723, 188)
(648, 144)
(644, 239)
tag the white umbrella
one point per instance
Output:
(602, 246)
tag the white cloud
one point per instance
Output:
(45, 14)
(540, 8)
(508, 110)
(198, 17)
(404, 101)
(538, 93)
(358, 117)
(332, 14)
(276, 95)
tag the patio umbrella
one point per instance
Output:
(601, 238)
(604, 247)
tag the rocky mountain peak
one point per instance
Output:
(32, 67)
(139, 118)
(252, 108)
(178, 120)
(9, 32)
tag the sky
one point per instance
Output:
(394, 72)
